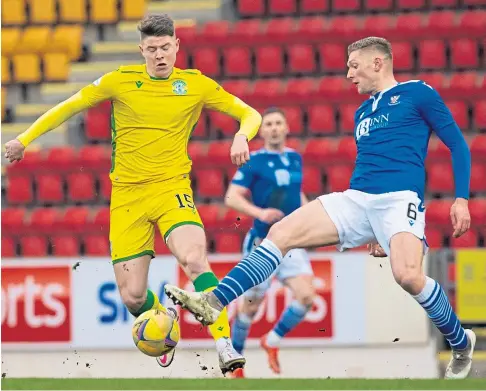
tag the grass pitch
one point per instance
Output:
(241, 384)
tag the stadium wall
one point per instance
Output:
(64, 318)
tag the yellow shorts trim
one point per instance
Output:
(166, 235)
(130, 257)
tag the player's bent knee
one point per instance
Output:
(280, 235)
(133, 299)
(412, 280)
(250, 306)
(194, 260)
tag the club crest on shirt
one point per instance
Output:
(179, 87)
(394, 100)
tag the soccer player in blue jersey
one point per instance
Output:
(273, 179)
(384, 206)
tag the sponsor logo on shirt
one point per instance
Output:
(368, 124)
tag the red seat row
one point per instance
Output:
(259, 8)
(436, 238)
(314, 118)
(309, 59)
(318, 29)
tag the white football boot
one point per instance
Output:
(195, 302)
(166, 359)
(461, 361)
(229, 358)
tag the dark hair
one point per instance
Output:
(272, 110)
(377, 43)
(157, 25)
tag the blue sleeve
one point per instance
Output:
(440, 120)
(244, 176)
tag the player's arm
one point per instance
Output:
(441, 121)
(89, 96)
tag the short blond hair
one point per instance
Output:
(377, 43)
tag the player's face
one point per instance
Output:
(274, 130)
(362, 71)
(160, 54)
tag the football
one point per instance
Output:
(156, 332)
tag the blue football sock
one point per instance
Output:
(292, 316)
(239, 331)
(250, 272)
(434, 300)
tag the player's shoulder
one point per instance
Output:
(130, 69)
(188, 73)
(292, 153)
(416, 86)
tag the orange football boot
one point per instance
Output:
(272, 354)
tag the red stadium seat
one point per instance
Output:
(345, 27)
(105, 187)
(210, 182)
(97, 125)
(433, 79)
(282, 7)
(410, 4)
(219, 152)
(237, 61)
(187, 34)
(251, 7)
(459, 111)
(378, 5)
(19, 190)
(443, 3)
(314, 6)
(245, 31)
(301, 59)
(472, 23)
(75, 220)
(65, 246)
(438, 150)
(462, 85)
(269, 60)
(333, 57)
(234, 220)
(101, 221)
(468, 239)
(294, 143)
(310, 28)
(182, 59)
(209, 214)
(278, 30)
(346, 115)
(293, 114)
(480, 115)
(477, 209)
(50, 189)
(440, 179)
(298, 89)
(409, 25)
(201, 127)
(81, 187)
(31, 163)
(95, 158)
(432, 54)
(336, 88)
(238, 88)
(223, 123)
(317, 151)
(377, 25)
(474, 2)
(45, 220)
(198, 152)
(227, 242)
(267, 90)
(346, 150)
(464, 53)
(312, 180)
(346, 5)
(255, 144)
(33, 246)
(437, 212)
(322, 119)
(207, 60)
(478, 177)
(13, 221)
(402, 56)
(9, 247)
(338, 177)
(434, 237)
(215, 31)
(96, 245)
(441, 24)
(61, 159)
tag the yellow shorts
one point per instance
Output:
(136, 209)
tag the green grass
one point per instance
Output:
(241, 384)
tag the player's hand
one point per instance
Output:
(461, 220)
(240, 152)
(376, 250)
(271, 215)
(14, 150)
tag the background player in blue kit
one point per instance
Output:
(273, 178)
(385, 202)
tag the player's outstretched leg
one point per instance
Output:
(303, 292)
(406, 261)
(308, 226)
(188, 244)
(131, 277)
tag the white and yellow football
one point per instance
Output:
(156, 332)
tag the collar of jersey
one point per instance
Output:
(159, 78)
(380, 94)
(286, 150)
